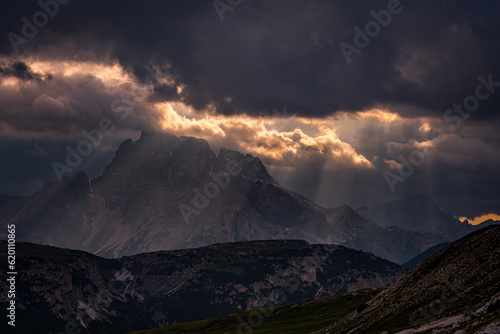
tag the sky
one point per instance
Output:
(346, 102)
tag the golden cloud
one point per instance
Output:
(379, 114)
(80, 92)
(290, 146)
(480, 219)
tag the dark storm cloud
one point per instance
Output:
(65, 105)
(21, 71)
(270, 53)
(263, 55)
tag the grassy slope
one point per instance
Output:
(301, 317)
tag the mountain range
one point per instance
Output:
(173, 233)
(455, 291)
(58, 287)
(164, 192)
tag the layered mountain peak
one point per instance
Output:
(176, 161)
(252, 168)
(161, 157)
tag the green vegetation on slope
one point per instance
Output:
(301, 317)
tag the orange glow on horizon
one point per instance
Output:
(480, 219)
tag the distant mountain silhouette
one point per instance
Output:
(418, 213)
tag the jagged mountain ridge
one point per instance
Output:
(134, 206)
(98, 295)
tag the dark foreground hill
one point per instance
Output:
(57, 287)
(425, 255)
(455, 291)
(457, 288)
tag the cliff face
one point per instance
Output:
(60, 286)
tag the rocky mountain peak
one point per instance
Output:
(169, 158)
(70, 186)
(252, 168)
(160, 158)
